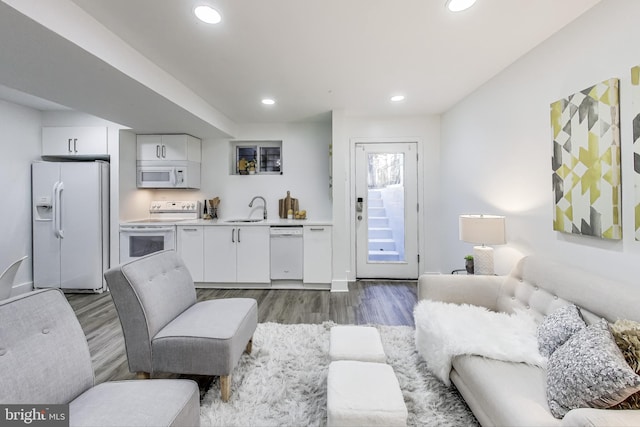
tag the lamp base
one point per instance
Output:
(483, 260)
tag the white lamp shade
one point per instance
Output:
(483, 229)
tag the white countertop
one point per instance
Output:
(268, 222)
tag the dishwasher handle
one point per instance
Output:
(286, 232)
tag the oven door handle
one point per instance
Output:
(147, 229)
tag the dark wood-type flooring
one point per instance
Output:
(367, 302)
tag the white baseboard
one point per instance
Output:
(339, 286)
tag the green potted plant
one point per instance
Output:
(468, 264)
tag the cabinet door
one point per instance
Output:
(149, 147)
(220, 254)
(71, 141)
(253, 259)
(317, 254)
(191, 249)
(181, 147)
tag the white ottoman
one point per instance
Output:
(364, 394)
(356, 343)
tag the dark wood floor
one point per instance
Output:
(367, 302)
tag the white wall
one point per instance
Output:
(20, 137)
(305, 154)
(346, 130)
(496, 145)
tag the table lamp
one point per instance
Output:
(485, 230)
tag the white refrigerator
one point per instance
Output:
(70, 224)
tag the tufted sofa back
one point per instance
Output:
(541, 285)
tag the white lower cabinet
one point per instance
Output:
(232, 254)
(235, 254)
(317, 254)
(190, 247)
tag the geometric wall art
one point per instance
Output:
(586, 162)
(635, 88)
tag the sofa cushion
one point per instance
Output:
(589, 371)
(138, 403)
(558, 327)
(499, 393)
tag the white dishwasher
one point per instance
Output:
(286, 253)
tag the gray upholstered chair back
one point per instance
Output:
(541, 285)
(149, 293)
(44, 356)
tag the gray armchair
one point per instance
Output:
(166, 330)
(45, 360)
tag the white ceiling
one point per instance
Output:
(316, 56)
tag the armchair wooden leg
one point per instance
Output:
(249, 346)
(143, 375)
(225, 387)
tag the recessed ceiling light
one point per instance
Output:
(268, 101)
(397, 98)
(459, 5)
(207, 14)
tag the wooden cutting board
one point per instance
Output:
(287, 203)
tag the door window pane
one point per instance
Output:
(385, 207)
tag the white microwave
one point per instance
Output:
(161, 174)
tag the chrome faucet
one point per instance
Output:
(264, 205)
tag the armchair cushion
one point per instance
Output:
(207, 339)
(138, 403)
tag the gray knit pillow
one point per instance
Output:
(589, 370)
(557, 328)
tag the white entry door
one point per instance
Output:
(386, 209)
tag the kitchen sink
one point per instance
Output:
(244, 220)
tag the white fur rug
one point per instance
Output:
(284, 381)
(445, 330)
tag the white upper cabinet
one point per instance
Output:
(75, 142)
(169, 147)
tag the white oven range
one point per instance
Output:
(158, 232)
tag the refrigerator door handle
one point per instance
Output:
(54, 208)
(57, 215)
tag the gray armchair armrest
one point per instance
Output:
(460, 289)
(589, 417)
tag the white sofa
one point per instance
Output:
(514, 394)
